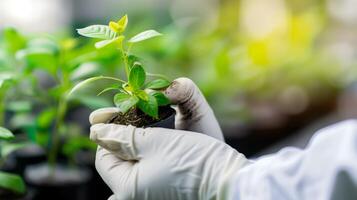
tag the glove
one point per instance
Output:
(164, 164)
(156, 163)
(192, 112)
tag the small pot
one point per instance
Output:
(168, 122)
(65, 183)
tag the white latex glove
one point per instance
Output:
(157, 163)
(164, 164)
(192, 112)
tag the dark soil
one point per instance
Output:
(136, 117)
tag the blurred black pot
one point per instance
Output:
(59, 183)
(29, 155)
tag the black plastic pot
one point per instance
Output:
(29, 155)
(65, 183)
(168, 122)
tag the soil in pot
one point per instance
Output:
(138, 118)
(63, 183)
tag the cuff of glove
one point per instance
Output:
(226, 184)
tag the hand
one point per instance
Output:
(193, 112)
(163, 164)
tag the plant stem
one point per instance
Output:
(2, 109)
(125, 60)
(61, 111)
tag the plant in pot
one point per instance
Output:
(16, 83)
(141, 103)
(57, 64)
(12, 186)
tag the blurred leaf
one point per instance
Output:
(12, 182)
(19, 106)
(46, 118)
(97, 31)
(137, 77)
(93, 102)
(149, 107)
(144, 36)
(13, 40)
(6, 134)
(5, 76)
(158, 84)
(78, 143)
(125, 101)
(84, 70)
(7, 148)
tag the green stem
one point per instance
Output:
(125, 59)
(55, 142)
(2, 110)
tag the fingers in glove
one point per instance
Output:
(102, 115)
(131, 143)
(194, 113)
(117, 173)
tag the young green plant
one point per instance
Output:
(135, 92)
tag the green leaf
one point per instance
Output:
(149, 107)
(132, 59)
(161, 99)
(108, 89)
(125, 101)
(137, 76)
(104, 43)
(144, 36)
(6, 134)
(12, 182)
(90, 80)
(158, 84)
(97, 31)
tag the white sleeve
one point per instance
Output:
(326, 169)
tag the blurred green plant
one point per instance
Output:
(9, 181)
(133, 92)
(56, 65)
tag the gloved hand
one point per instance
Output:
(164, 164)
(192, 112)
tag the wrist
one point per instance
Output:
(225, 184)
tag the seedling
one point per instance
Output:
(135, 92)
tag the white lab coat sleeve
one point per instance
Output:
(325, 170)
